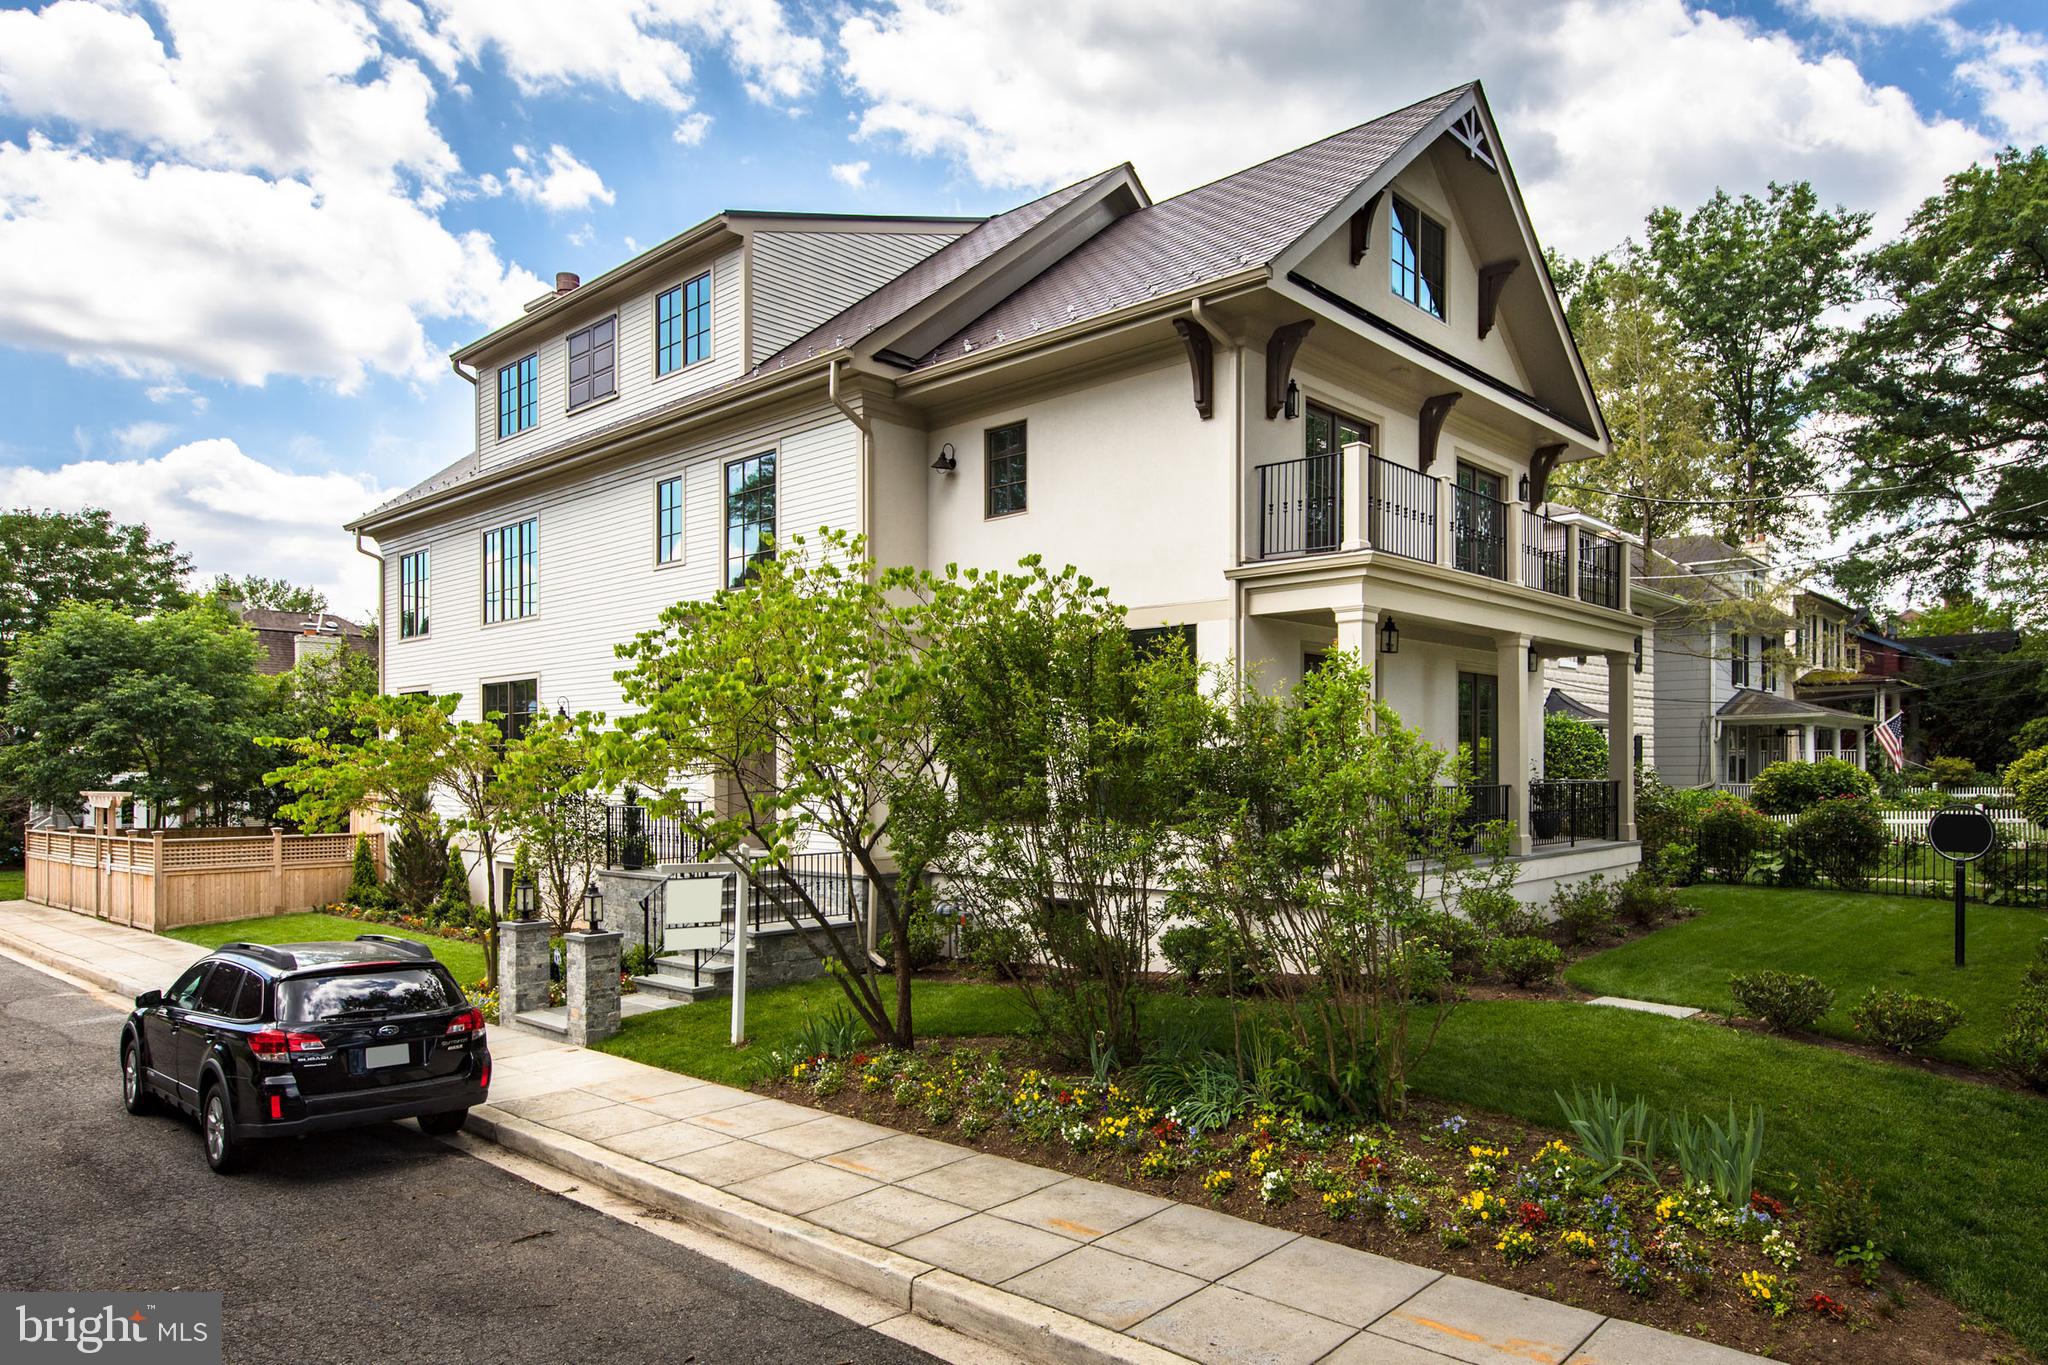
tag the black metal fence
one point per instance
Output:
(636, 837)
(1301, 506)
(1599, 570)
(1479, 532)
(1574, 809)
(1544, 565)
(1402, 511)
(831, 880)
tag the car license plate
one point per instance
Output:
(388, 1054)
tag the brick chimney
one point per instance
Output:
(566, 280)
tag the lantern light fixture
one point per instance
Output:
(946, 463)
(1390, 637)
(593, 907)
(1292, 407)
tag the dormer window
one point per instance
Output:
(593, 362)
(516, 385)
(1417, 268)
(682, 325)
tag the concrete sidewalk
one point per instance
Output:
(1047, 1265)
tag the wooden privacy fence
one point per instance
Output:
(156, 882)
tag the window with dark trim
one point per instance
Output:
(1005, 469)
(682, 325)
(517, 386)
(1148, 639)
(1417, 263)
(749, 515)
(594, 362)
(512, 705)
(412, 594)
(1738, 661)
(512, 571)
(668, 521)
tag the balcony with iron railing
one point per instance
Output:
(1355, 501)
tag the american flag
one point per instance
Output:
(1891, 737)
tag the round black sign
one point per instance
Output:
(1962, 833)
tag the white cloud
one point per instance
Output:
(1608, 107)
(233, 513)
(561, 185)
(691, 127)
(2009, 71)
(1878, 13)
(852, 174)
(137, 437)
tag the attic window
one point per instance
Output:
(1417, 265)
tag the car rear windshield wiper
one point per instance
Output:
(341, 1015)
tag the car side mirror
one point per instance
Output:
(149, 1000)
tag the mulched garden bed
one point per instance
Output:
(1423, 1172)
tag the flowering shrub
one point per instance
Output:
(1340, 1204)
(1276, 1187)
(1219, 1183)
(1578, 1243)
(1766, 1290)
(1518, 1244)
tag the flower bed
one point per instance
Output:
(1482, 1197)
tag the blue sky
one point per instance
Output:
(238, 237)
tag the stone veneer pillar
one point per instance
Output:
(522, 967)
(592, 970)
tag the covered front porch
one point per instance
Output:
(1461, 661)
(1754, 729)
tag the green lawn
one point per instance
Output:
(464, 959)
(1957, 1166)
(1850, 941)
(10, 884)
(693, 1039)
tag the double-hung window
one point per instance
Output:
(1005, 469)
(594, 362)
(514, 704)
(668, 521)
(517, 393)
(1738, 661)
(1418, 258)
(412, 594)
(749, 515)
(682, 325)
(512, 571)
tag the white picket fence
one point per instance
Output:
(2012, 826)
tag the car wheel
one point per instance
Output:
(225, 1152)
(441, 1125)
(135, 1096)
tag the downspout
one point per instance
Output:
(382, 624)
(1237, 436)
(867, 447)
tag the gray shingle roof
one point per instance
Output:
(1207, 233)
(1750, 704)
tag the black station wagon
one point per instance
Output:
(261, 1041)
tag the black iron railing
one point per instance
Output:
(1574, 809)
(1599, 570)
(1301, 506)
(831, 881)
(1544, 562)
(1402, 511)
(1479, 533)
(636, 837)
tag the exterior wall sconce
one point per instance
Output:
(1390, 637)
(1522, 489)
(593, 908)
(1533, 664)
(1292, 408)
(561, 708)
(946, 464)
(1639, 654)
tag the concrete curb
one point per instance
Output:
(31, 951)
(982, 1311)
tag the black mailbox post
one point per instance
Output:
(1961, 834)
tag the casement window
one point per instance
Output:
(1418, 258)
(668, 521)
(512, 571)
(412, 594)
(518, 385)
(512, 705)
(593, 362)
(1006, 474)
(682, 325)
(749, 515)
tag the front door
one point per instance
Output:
(1479, 725)
(1481, 536)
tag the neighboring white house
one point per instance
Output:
(1310, 405)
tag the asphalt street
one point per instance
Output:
(376, 1245)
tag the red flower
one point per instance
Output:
(1066, 1097)
(1370, 1163)
(1763, 1203)
(1533, 1215)
(1825, 1306)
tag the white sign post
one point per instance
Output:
(743, 886)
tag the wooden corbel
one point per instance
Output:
(1431, 420)
(1492, 279)
(1361, 229)
(1201, 363)
(1541, 462)
(1280, 349)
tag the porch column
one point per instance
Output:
(1511, 677)
(1621, 744)
(1358, 630)
(1356, 469)
(1446, 554)
(1511, 541)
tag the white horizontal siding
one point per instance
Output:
(639, 388)
(599, 585)
(799, 279)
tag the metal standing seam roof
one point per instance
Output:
(1245, 219)
(1749, 704)
(1561, 703)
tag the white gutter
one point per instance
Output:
(382, 624)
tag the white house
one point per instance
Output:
(1313, 404)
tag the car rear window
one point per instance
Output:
(387, 990)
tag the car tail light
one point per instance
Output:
(485, 1080)
(469, 1021)
(277, 1106)
(272, 1042)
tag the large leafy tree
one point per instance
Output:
(1668, 458)
(167, 707)
(544, 781)
(1945, 389)
(49, 558)
(1750, 281)
(271, 594)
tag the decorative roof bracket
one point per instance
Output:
(1493, 278)
(1541, 463)
(1431, 420)
(1361, 228)
(1280, 349)
(1201, 363)
(1470, 134)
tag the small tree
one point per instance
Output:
(543, 781)
(362, 875)
(1573, 748)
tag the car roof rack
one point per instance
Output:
(262, 952)
(410, 948)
